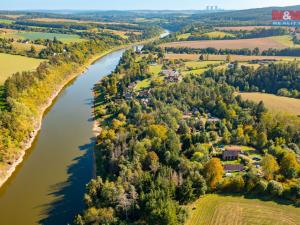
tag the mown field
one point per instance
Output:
(230, 210)
(261, 43)
(10, 64)
(274, 102)
(247, 28)
(233, 57)
(66, 38)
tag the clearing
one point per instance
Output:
(231, 210)
(274, 102)
(261, 43)
(10, 64)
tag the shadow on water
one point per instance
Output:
(63, 210)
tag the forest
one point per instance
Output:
(276, 78)
(155, 156)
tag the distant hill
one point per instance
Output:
(256, 14)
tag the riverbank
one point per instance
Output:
(8, 170)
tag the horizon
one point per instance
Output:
(132, 5)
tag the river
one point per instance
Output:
(48, 186)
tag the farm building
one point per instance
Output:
(172, 75)
(231, 152)
(233, 167)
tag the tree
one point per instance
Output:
(275, 188)
(151, 161)
(228, 58)
(213, 171)
(158, 130)
(289, 165)
(262, 140)
(269, 166)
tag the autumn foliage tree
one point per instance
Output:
(270, 166)
(213, 172)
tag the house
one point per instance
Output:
(233, 168)
(145, 101)
(170, 73)
(213, 120)
(231, 152)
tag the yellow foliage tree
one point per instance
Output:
(269, 166)
(213, 172)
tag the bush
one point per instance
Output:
(275, 188)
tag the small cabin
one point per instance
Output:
(233, 168)
(231, 152)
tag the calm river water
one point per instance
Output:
(48, 187)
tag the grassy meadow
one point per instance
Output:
(274, 102)
(65, 38)
(6, 21)
(218, 34)
(231, 210)
(11, 64)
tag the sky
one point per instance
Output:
(139, 4)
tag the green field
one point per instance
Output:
(230, 210)
(218, 34)
(183, 36)
(65, 38)
(286, 40)
(274, 102)
(10, 64)
(5, 21)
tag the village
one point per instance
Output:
(236, 159)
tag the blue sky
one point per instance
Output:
(140, 4)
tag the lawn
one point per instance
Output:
(10, 64)
(231, 210)
(274, 102)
